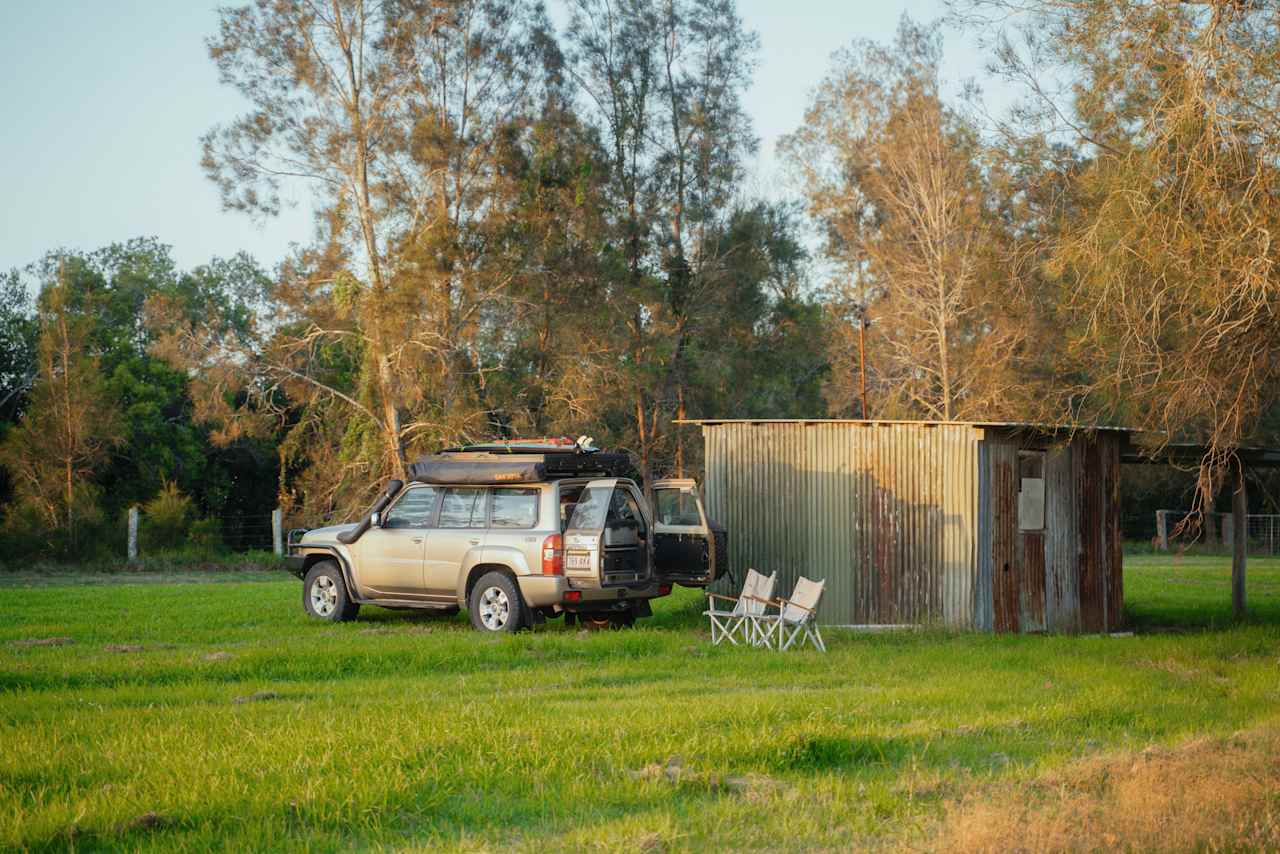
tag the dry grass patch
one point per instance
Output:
(1214, 794)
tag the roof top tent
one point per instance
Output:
(518, 461)
(1000, 527)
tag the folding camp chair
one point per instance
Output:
(736, 624)
(796, 618)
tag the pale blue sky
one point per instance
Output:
(105, 104)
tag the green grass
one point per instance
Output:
(408, 731)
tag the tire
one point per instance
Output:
(324, 594)
(495, 605)
(622, 620)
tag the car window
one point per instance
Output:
(515, 508)
(677, 507)
(414, 509)
(624, 512)
(463, 507)
(589, 512)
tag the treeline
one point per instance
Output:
(525, 231)
(94, 422)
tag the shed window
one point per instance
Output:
(1031, 490)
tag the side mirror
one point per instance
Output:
(376, 520)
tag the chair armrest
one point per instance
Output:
(788, 603)
(711, 595)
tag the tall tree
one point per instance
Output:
(663, 79)
(70, 422)
(403, 117)
(1167, 253)
(895, 178)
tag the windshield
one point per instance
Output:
(592, 507)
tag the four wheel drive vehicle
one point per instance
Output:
(515, 533)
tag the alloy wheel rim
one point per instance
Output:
(324, 595)
(495, 608)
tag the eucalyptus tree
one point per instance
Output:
(897, 181)
(70, 424)
(398, 119)
(662, 80)
(1167, 251)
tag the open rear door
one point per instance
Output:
(684, 545)
(606, 539)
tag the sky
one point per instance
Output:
(106, 103)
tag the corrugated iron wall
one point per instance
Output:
(918, 523)
(886, 513)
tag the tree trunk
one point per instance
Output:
(1240, 543)
(680, 430)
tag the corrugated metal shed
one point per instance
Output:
(918, 522)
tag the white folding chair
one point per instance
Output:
(736, 623)
(796, 618)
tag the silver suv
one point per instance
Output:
(515, 533)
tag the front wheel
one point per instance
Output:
(495, 604)
(325, 596)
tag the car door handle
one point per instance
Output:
(475, 542)
(416, 539)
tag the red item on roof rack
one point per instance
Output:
(545, 440)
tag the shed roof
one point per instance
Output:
(877, 422)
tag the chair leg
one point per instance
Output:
(817, 639)
(727, 632)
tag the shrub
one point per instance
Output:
(166, 520)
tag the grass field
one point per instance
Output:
(200, 716)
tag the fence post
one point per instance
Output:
(277, 538)
(1162, 529)
(133, 533)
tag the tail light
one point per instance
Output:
(553, 555)
(664, 589)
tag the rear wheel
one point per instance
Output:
(325, 596)
(495, 604)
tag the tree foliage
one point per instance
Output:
(905, 193)
(1166, 251)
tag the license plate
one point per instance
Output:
(573, 561)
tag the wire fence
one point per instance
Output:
(234, 533)
(1178, 529)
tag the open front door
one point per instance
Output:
(684, 544)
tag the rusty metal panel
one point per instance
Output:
(983, 597)
(1031, 581)
(1092, 532)
(1061, 544)
(1115, 551)
(1003, 457)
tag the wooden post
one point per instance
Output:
(1240, 543)
(277, 534)
(133, 533)
(1162, 530)
(862, 359)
